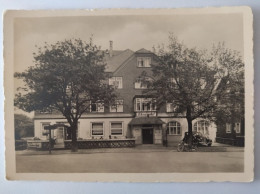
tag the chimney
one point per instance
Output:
(110, 48)
(154, 50)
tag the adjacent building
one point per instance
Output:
(134, 114)
(231, 126)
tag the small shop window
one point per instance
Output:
(97, 129)
(116, 128)
(174, 128)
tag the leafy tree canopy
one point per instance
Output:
(67, 77)
(23, 126)
(190, 78)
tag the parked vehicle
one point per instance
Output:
(185, 146)
(203, 140)
(198, 139)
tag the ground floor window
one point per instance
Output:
(97, 129)
(237, 127)
(202, 127)
(67, 130)
(116, 128)
(228, 128)
(44, 131)
(174, 128)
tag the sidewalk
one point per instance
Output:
(216, 147)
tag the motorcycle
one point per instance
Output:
(185, 146)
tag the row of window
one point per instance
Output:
(140, 82)
(99, 107)
(174, 127)
(237, 127)
(141, 105)
(97, 129)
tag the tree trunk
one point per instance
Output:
(189, 120)
(74, 144)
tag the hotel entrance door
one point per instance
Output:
(147, 134)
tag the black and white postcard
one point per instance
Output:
(129, 95)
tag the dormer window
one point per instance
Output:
(117, 82)
(144, 61)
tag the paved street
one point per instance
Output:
(131, 160)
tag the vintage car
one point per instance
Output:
(203, 140)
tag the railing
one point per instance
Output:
(96, 143)
(238, 141)
(20, 144)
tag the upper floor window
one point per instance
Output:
(202, 127)
(145, 104)
(117, 106)
(174, 128)
(172, 107)
(117, 82)
(172, 82)
(97, 107)
(142, 82)
(144, 61)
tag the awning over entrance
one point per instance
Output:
(146, 120)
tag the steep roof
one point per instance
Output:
(117, 59)
(142, 50)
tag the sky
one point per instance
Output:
(126, 31)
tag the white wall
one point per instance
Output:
(84, 130)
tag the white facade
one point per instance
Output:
(85, 129)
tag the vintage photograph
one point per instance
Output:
(145, 92)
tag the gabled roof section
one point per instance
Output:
(117, 59)
(143, 51)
